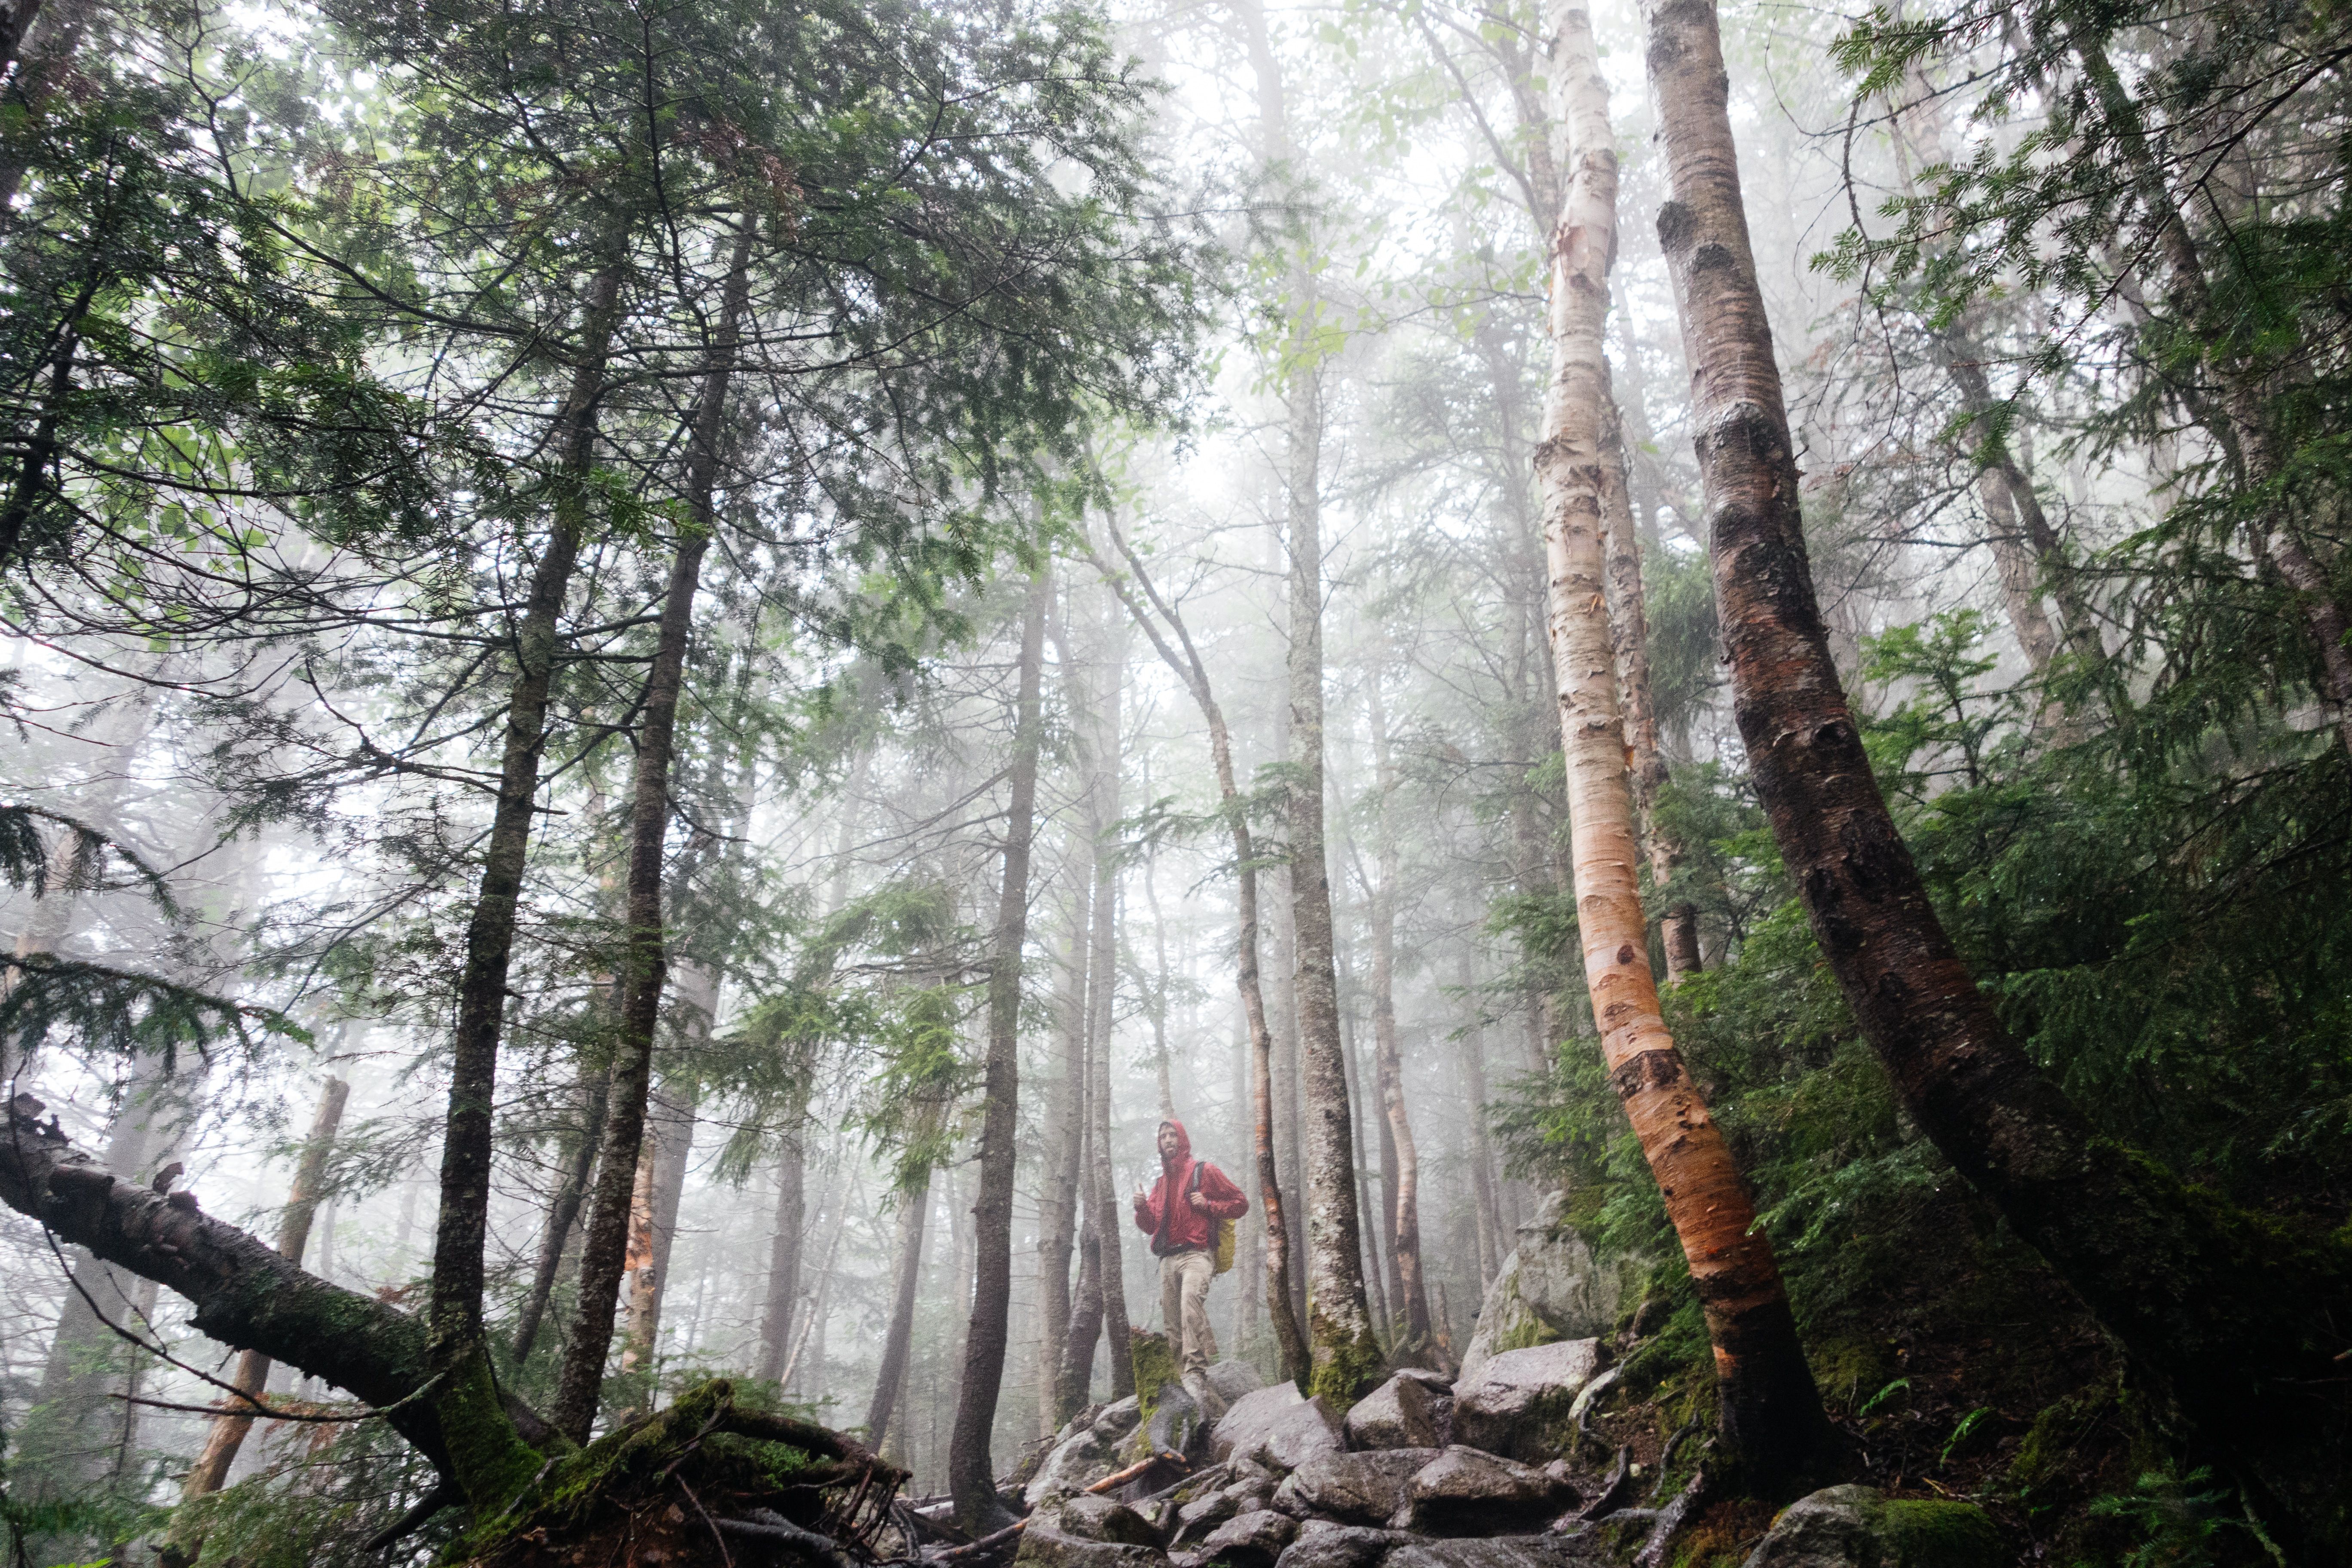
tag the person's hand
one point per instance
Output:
(1139, 1199)
(1199, 1202)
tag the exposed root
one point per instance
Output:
(1613, 1492)
(1670, 1520)
(1667, 1458)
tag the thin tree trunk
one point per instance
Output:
(971, 1474)
(227, 1432)
(604, 1250)
(897, 1340)
(1059, 1203)
(1161, 1065)
(1086, 1327)
(1345, 1356)
(1491, 1231)
(790, 1229)
(1271, 1211)
(1102, 993)
(1411, 1296)
(1376, 1274)
(1773, 1429)
(455, 1300)
(2239, 422)
(784, 1256)
(669, 1140)
(1629, 624)
(564, 1215)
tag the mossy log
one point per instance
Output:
(674, 1486)
(775, 1488)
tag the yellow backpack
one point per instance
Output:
(1222, 1251)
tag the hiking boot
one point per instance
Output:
(1212, 1408)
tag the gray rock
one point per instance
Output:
(1242, 1468)
(1500, 1552)
(1552, 1287)
(1352, 1488)
(1104, 1519)
(1043, 1546)
(1076, 1462)
(1516, 1404)
(1277, 1428)
(1322, 1544)
(1115, 1421)
(1203, 1514)
(1232, 1379)
(1251, 1540)
(1467, 1491)
(1403, 1413)
(1245, 1425)
(1855, 1527)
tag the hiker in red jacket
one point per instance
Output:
(1181, 1214)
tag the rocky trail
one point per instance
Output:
(1503, 1468)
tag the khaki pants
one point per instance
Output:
(1184, 1307)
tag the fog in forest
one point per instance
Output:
(672, 672)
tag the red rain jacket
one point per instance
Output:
(1188, 1228)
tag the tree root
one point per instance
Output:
(1671, 1518)
(1612, 1491)
(1666, 1457)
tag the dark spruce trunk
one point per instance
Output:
(971, 1475)
(645, 961)
(563, 1213)
(456, 1301)
(2240, 1323)
(897, 1340)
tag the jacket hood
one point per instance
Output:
(1184, 1141)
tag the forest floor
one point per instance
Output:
(1960, 1367)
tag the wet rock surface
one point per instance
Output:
(1468, 1492)
(1551, 1286)
(1517, 1403)
(1408, 1411)
(1542, 1551)
(1233, 1379)
(1276, 1427)
(1857, 1527)
(1364, 1489)
(1103, 1519)
(1253, 1540)
(1046, 1546)
(1322, 1544)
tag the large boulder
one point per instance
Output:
(1276, 1427)
(1252, 1540)
(1322, 1544)
(1078, 1459)
(1352, 1488)
(1552, 1287)
(1406, 1412)
(1517, 1403)
(1855, 1527)
(1232, 1379)
(1468, 1491)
